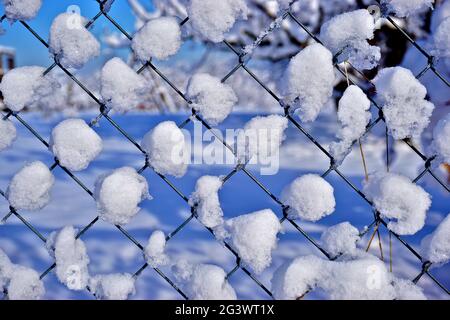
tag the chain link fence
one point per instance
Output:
(242, 60)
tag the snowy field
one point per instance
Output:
(111, 252)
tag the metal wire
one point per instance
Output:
(242, 61)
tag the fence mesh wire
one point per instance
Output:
(242, 60)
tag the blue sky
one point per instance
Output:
(31, 52)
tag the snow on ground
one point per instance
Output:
(110, 252)
(25, 86)
(122, 93)
(403, 101)
(71, 43)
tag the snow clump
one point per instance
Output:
(75, 144)
(112, 286)
(261, 138)
(254, 236)
(436, 246)
(204, 281)
(310, 80)
(159, 38)
(441, 137)
(210, 97)
(441, 41)
(295, 278)
(400, 200)
(6, 268)
(122, 88)
(405, 8)
(71, 43)
(119, 193)
(25, 284)
(71, 258)
(30, 188)
(212, 19)
(165, 146)
(340, 239)
(407, 290)
(206, 199)
(365, 278)
(309, 197)
(405, 109)
(21, 9)
(347, 34)
(354, 116)
(20, 282)
(21, 87)
(154, 251)
(8, 133)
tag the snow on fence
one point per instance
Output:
(100, 286)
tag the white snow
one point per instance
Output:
(205, 282)
(21, 9)
(25, 284)
(354, 116)
(154, 251)
(8, 133)
(309, 197)
(75, 144)
(310, 79)
(70, 257)
(406, 290)
(254, 236)
(122, 88)
(166, 149)
(206, 198)
(295, 278)
(400, 200)
(119, 193)
(340, 239)
(441, 138)
(6, 268)
(71, 43)
(436, 246)
(212, 19)
(441, 41)
(402, 96)
(349, 32)
(23, 86)
(159, 38)
(364, 278)
(261, 137)
(404, 8)
(210, 97)
(20, 282)
(112, 286)
(30, 188)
